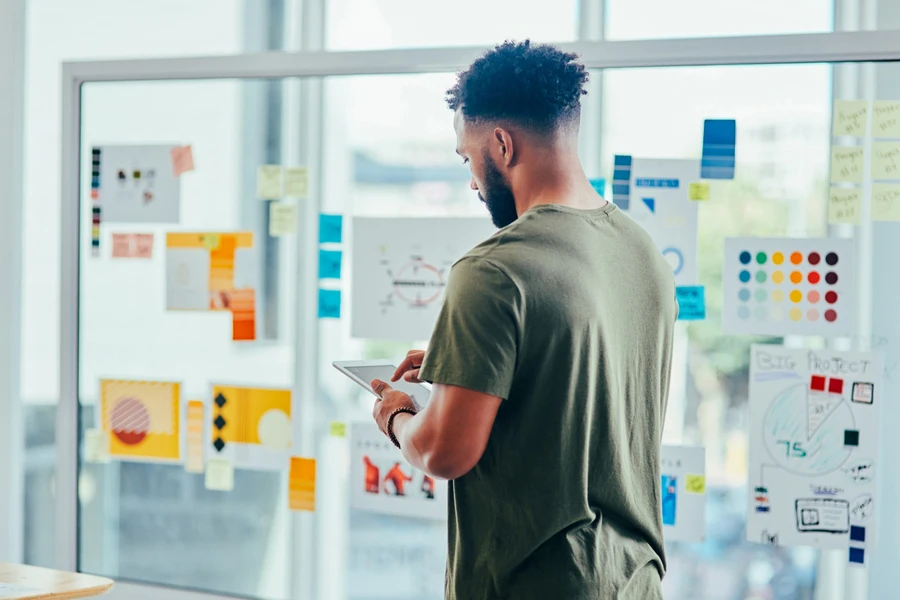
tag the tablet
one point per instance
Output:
(364, 371)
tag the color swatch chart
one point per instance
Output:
(783, 286)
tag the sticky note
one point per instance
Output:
(885, 160)
(143, 245)
(193, 462)
(599, 185)
(698, 191)
(296, 182)
(847, 163)
(886, 119)
(210, 241)
(331, 229)
(330, 264)
(844, 206)
(182, 160)
(850, 118)
(695, 484)
(691, 303)
(302, 484)
(96, 446)
(338, 429)
(282, 219)
(132, 245)
(219, 475)
(269, 182)
(121, 245)
(329, 304)
(719, 142)
(857, 556)
(885, 202)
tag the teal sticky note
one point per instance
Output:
(599, 186)
(330, 264)
(691, 302)
(329, 304)
(331, 228)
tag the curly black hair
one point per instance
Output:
(536, 86)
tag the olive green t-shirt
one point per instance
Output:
(567, 315)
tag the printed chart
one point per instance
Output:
(400, 270)
(136, 184)
(783, 286)
(382, 481)
(683, 493)
(813, 443)
(252, 427)
(141, 419)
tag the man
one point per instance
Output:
(550, 358)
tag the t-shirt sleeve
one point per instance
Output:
(474, 344)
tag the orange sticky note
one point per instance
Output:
(182, 160)
(194, 460)
(243, 315)
(302, 484)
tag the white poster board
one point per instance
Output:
(813, 446)
(683, 493)
(138, 184)
(659, 203)
(382, 481)
(786, 286)
(400, 270)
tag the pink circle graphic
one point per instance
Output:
(130, 420)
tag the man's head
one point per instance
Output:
(517, 100)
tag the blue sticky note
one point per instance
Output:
(329, 304)
(691, 302)
(858, 556)
(331, 229)
(599, 186)
(719, 141)
(330, 264)
(669, 499)
(857, 533)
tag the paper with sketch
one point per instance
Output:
(851, 118)
(886, 119)
(847, 164)
(885, 160)
(814, 427)
(683, 484)
(845, 206)
(203, 269)
(137, 184)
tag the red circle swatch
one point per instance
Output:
(831, 297)
(814, 277)
(814, 258)
(830, 316)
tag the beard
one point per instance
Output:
(497, 195)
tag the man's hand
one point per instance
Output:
(409, 368)
(391, 400)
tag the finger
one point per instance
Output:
(416, 356)
(380, 387)
(412, 376)
(405, 366)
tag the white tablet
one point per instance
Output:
(364, 371)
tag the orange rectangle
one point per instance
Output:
(194, 456)
(302, 484)
(243, 315)
(209, 240)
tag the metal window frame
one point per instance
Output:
(843, 47)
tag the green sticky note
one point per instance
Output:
(338, 429)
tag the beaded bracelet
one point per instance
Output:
(390, 423)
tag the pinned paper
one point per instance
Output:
(338, 429)
(329, 304)
(850, 118)
(132, 245)
(847, 163)
(331, 229)
(886, 202)
(296, 182)
(886, 119)
(599, 186)
(219, 475)
(695, 484)
(96, 446)
(194, 453)
(269, 182)
(143, 245)
(282, 219)
(141, 419)
(302, 484)
(182, 160)
(691, 303)
(698, 191)
(330, 264)
(844, 206)
(243, 315)
(885, 160)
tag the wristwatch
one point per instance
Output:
(390, 423)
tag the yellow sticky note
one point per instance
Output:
(219, 475)
(850, 118)
(296, 182)
(282, 219)
(885, 160)
(302, 484)
(269, 182)
(96, 446)
(210, 241)
(698, 191)
(847, 164)
(845, 206)
(886, 119)
(695, 484)
(338, 429)
(886, 202)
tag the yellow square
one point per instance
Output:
(252, 416)
(141, 418)
(695, 484)
(698, 191)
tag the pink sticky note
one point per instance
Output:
(182, 160)
(143, 245)
(121, 245)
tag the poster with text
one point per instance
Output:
(683, 484)
(382, 481)
(814, 421)
(137, 184)
(252, 427)
(400, 270)
(141, 419)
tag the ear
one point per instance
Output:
(504, 142)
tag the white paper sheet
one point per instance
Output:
(382, 481)
(400, 270)
(683, 493)
(660, 204)
(814, 425)
(782, 286)
(138, 185)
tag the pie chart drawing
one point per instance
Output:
(130, 420)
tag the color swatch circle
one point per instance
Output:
(744, 312)
(745, 258)
(796, 276)
(831, 297)
(831, 258)
(796, 296)
(830, 316)
(777, 295)
(777, 258)
(796, 258)
(814, 258)
(812, 314)
(813, 277)
(777, 313)
(796, 314)
(761, 313)
(831, 278)
(761, 295)
(761, 258)
(813, 296)
(744, 295)
(744, 276)
(761, 276)
(778, 277)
